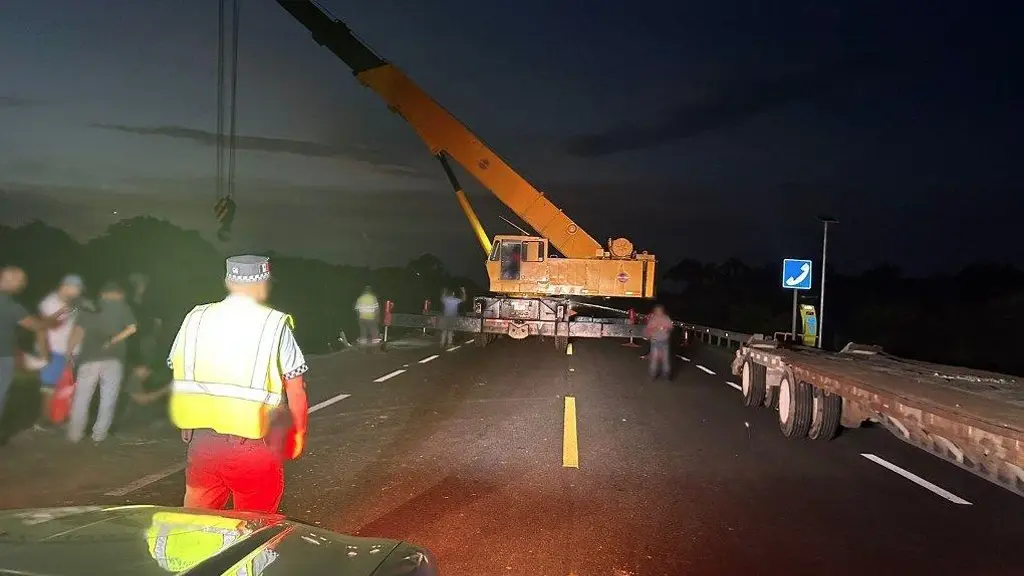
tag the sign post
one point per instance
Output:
(796, 276)
(796, 309)
(826, 220)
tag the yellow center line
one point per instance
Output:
(570, 448)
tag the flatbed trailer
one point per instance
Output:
(972, 418)
(520, 318)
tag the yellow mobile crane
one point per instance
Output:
(532, 285)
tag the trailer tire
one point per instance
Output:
(561, 343)
(827, 410)
(753, 388)
(482, 340)
(771, 396)
(796, 406)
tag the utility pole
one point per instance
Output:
(826, 220)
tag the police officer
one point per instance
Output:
(234, 363)
(367, 308)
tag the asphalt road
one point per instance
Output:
(471, 454)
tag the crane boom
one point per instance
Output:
(444, 134)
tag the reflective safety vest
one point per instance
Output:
(180, 541)
(367, 306)
(226, 372)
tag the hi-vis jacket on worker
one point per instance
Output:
(367, 305)
(178, 541)
(231, 358)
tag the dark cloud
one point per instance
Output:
(726, 108)
(276, 145)
(16, 102)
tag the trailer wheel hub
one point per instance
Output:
(784, 398)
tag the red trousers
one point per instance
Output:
(221, 467)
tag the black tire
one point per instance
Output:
(796, 406)
(561, 343)
(482, 340)
(826, 413)
(753, 387)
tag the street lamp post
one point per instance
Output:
(826, 220)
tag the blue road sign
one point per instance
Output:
(796, 274)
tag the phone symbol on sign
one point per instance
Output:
(805, 270)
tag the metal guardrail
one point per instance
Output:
(716, 336)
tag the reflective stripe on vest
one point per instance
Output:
(255, 563)
(226, 376)
(227, 391)
(367, 306)
(366, 303)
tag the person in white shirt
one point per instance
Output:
(61, 305)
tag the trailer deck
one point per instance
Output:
(989, 399)
(972, 418)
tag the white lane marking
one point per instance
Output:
(454, 348)
(328, 402)
(470, 341)
(389, 376)
(683, 358)
(145, 481)
(917, 480)
(429, 358)
(708, 370)
(735, 385)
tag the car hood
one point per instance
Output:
(153, 540)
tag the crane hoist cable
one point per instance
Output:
(220, 102)
(224, 207)
(232, 138)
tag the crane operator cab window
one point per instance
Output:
(510, 253)
(533, 251)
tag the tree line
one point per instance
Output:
(970, 318)
(183, 270)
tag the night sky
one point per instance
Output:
(697, 129)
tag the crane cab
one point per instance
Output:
(524, 265)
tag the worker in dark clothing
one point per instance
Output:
(149, 383)
(12, 316)
(102, 336)
(450, 302)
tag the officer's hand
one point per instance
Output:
(186, 436)
(298, 444)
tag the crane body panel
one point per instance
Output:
(522, 265)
